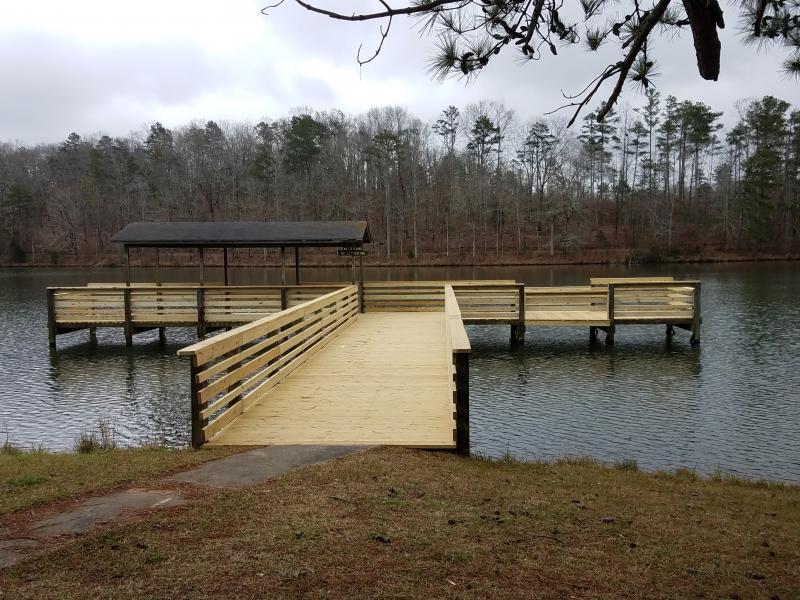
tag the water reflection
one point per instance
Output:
(732, 403)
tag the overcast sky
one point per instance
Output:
(95, 66)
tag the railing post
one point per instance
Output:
(518, 329)
(462, 403)
(201, 312)
(611, 328)
(126, 298)
(198, 423)
(51, 319)
(361, 296)
(284, 301)
(696, 317)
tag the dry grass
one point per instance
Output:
(396, 524)
(29, 479)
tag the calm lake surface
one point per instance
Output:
(730, 405)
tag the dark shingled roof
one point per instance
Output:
(249, 235)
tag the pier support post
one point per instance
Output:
(670, 332)
(284, 299)
(592, 334)
(610, 329)
(126, 296)
(518, 329)
(93, 335)
(51, 319)
(198, 438)
(696, 319)
(462, 403)
(201, 312)
(162, 335)
(517, 335)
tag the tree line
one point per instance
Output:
(475, 184)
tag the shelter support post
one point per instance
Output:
(127, 265)
(202, 267)
(225, 264)
(283, 265)
(297, 265)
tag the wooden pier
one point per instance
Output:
(370, 363)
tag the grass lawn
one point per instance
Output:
(393, 523)
(29, 479)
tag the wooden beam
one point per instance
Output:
(202, 267)
(283, 265)
(158, 266)
(297, 265)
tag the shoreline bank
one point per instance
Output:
(521, 262)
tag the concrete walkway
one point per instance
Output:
(245, 469)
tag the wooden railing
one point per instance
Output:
(489, 303)
(415, 296)
(141, 306)
(231, 371)
(458, 348)
(675, 303)
(570, 304)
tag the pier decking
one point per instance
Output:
(382, 380)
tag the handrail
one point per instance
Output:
(99, 288)
(231, 371)
(457, 338)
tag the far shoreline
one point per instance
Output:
(615, 261)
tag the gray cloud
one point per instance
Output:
(255, 66)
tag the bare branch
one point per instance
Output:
(646, 27)
(384, 35)
(389, 12)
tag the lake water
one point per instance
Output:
(730, 405)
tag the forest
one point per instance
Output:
(662, 180)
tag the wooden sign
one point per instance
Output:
(351, 252)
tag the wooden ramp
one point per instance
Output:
(384, 379)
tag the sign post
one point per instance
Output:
(353, 252)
